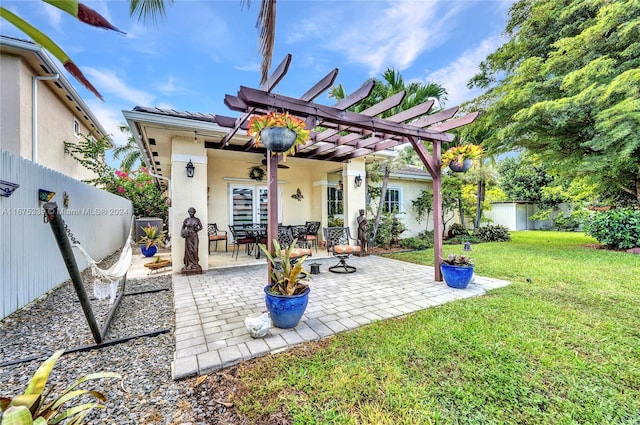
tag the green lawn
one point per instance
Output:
(561, 345)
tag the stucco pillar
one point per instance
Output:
(321, 214)
(355, 198)
(188, 192)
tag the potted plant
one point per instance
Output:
(287, 296)
(151, 240)
(461, 158)
(279, 132)
(457, 270)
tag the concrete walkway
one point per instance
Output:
(211, 308)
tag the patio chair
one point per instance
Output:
(286, 238)
(241, 237)
(216, 235)
(312, 233)
(300, 233)
(337, 239)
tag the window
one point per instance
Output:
(334, 198)
(76, 127)
(392, 200)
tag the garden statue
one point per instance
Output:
(362, 233)
(190, 228)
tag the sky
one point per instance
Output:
(205, 49)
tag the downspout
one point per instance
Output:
(34, 121)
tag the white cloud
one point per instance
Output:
(169, 86)
(111, 119)
(109, 82)
(54, 17)
(394, 36)
(455, 76)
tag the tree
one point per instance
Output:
(130, 152)
(423, 205)
(522, 180)
(565, 87)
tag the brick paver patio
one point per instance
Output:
(210, 308)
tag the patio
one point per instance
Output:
(210, 308)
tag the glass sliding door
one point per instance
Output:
(249, 204)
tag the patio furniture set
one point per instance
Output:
(337, 240)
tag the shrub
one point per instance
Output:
(570, 221)
(335, 222)
(617, 228)
(493, 233)
(416, 243)
(456, 230)
(461, 239)
(427, 235)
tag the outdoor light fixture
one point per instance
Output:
(339, 185)
(358, 181)
(467, 246)
(190, 169)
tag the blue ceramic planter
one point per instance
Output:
(150, 252)
(456, 276)
(286, 311)
(277, 139)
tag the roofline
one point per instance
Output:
(38, 51)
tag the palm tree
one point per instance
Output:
(391, 83)
(145, 10)
(130, 152)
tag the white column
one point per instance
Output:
(188, 192)
(355, 198)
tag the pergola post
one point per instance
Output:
(437, 211)
(272, 205)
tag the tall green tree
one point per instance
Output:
(566, 86)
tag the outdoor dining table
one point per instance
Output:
(259, 233)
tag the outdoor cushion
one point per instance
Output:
(300, 252)
(217, 237)
(345, 249)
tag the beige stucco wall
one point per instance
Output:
(55, 119)
(227, 169)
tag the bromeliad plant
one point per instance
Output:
(458, 260)
(277, 119)
(32, 406)
(287, 278)
(458, 154)
(152, 237)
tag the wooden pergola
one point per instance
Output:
(347, 134)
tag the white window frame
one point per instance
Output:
(76, 128)
(400, 203)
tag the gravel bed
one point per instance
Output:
(145, 395)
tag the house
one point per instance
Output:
(40, 109)
(223, 191)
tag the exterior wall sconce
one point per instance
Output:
(339, 185)
(191, 169)
(358, 181)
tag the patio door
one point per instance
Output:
(249, 204)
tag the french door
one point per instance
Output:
(249, 204)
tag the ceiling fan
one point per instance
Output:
(264, 164)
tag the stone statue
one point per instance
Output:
(362, 232)
(190, 228)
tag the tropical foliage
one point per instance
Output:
(287, 278)
(565, 87)
(458, 154)
(276, 119)
(33, 405)
(147, 198)
(616, 228)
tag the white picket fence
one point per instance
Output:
(29, 256)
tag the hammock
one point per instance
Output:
(106, 281)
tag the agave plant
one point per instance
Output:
(32, 406)
(287, 278)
